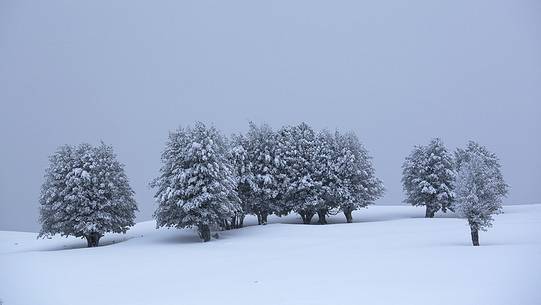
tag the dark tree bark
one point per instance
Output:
(241, 220)
(474, 236)
(93, 239)
(234, 222)
(306, 217)
(349, 217)
(262, 218)
(204, 232)
(429, 213)
(321, 215)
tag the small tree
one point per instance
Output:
(86, 194)
(196, 186)
(480, 187)
(428, 178)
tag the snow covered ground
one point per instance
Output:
(391, 255)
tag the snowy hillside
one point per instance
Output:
(390, 255)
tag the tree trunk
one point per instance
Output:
(321, 215)
(241, 220)
(264, 218)
(306, 217)
(258, 218)
(204, 232)
(93, 239)
(349, 217)
(429, 213)
(475, 236)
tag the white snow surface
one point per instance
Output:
(391, 255)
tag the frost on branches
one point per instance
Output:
(86, 194)
(480, 187)
(196, 186)
(428, 178)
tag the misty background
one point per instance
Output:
(395, 72)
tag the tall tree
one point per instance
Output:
(196, 186)
(325, 174)
(261, 152)
(480, 187)
(428, 177)
(244, 178)
(296, 151)
(86, 194)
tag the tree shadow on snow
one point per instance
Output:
(181, 238)
(80, 244)
(484, 244)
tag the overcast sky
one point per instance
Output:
(395, 72)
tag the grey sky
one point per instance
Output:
(395, 72)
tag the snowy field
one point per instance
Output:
(391, 255)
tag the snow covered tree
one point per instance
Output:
(480, 187)
(196, 186)
(244, 177)
(325, 174)
(428, 177)
(296, 151)
(261, 151)
(355, 184)
(86, 194)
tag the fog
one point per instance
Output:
(397, 73)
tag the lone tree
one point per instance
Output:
(196, 186)
(356, 185)
(428, 178)
(86, 194)
(480, 187)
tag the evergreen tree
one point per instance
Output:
(356, 185)
(480, 187)
(325, 174)
(428, 178)
(244, 178)
(86, 194)
(261, 153)
(196, 186)
(296, 151)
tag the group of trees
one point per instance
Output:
(207, 181)
(469, 183)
